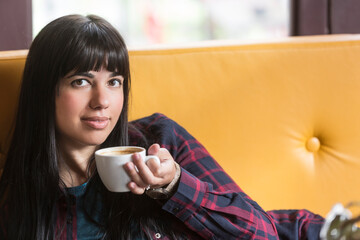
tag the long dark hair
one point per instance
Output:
(30, 185)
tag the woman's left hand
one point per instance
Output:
(150, 173)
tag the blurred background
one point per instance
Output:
(146, 22)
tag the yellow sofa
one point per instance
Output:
(282, 118)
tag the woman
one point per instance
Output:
(73, 101)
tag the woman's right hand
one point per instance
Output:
(150, 174)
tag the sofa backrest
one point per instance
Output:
(282, 118)
(11, 67)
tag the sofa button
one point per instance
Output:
(313, 144)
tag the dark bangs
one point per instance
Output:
(97, 44)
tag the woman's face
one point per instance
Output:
(88, 105)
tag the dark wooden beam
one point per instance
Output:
(345, 16)
(309, 17)
(15, 24)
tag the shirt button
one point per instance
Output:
(176, 210)
(157, 235)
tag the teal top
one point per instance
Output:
(79, 224)
(85, 228)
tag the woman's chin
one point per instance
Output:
(94, 141)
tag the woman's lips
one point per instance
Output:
(97, 123)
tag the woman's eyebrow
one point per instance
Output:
(89, 75)
(115, 74)
(83, 74)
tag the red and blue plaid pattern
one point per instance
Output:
(208, 201)
(207, 204)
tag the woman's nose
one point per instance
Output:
(99, 98)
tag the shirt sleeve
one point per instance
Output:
(210, 203)
(297, 224)
(207, 200)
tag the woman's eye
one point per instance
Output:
(79, 83)
(115, 83)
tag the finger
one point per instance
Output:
(154, 166)
(134, 174)
(144, 172)
(134, 188)
(166, 164)
(154, 149)
(161, 153)
(164, 173)
(164, 154)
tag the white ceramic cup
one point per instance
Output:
(110, 165)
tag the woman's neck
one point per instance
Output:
(74, 164)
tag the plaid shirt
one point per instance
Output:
(208, 201)
(207, 204)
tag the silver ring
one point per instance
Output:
(147, 188)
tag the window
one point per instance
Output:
(147, 22)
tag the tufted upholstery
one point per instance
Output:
(282, 118)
